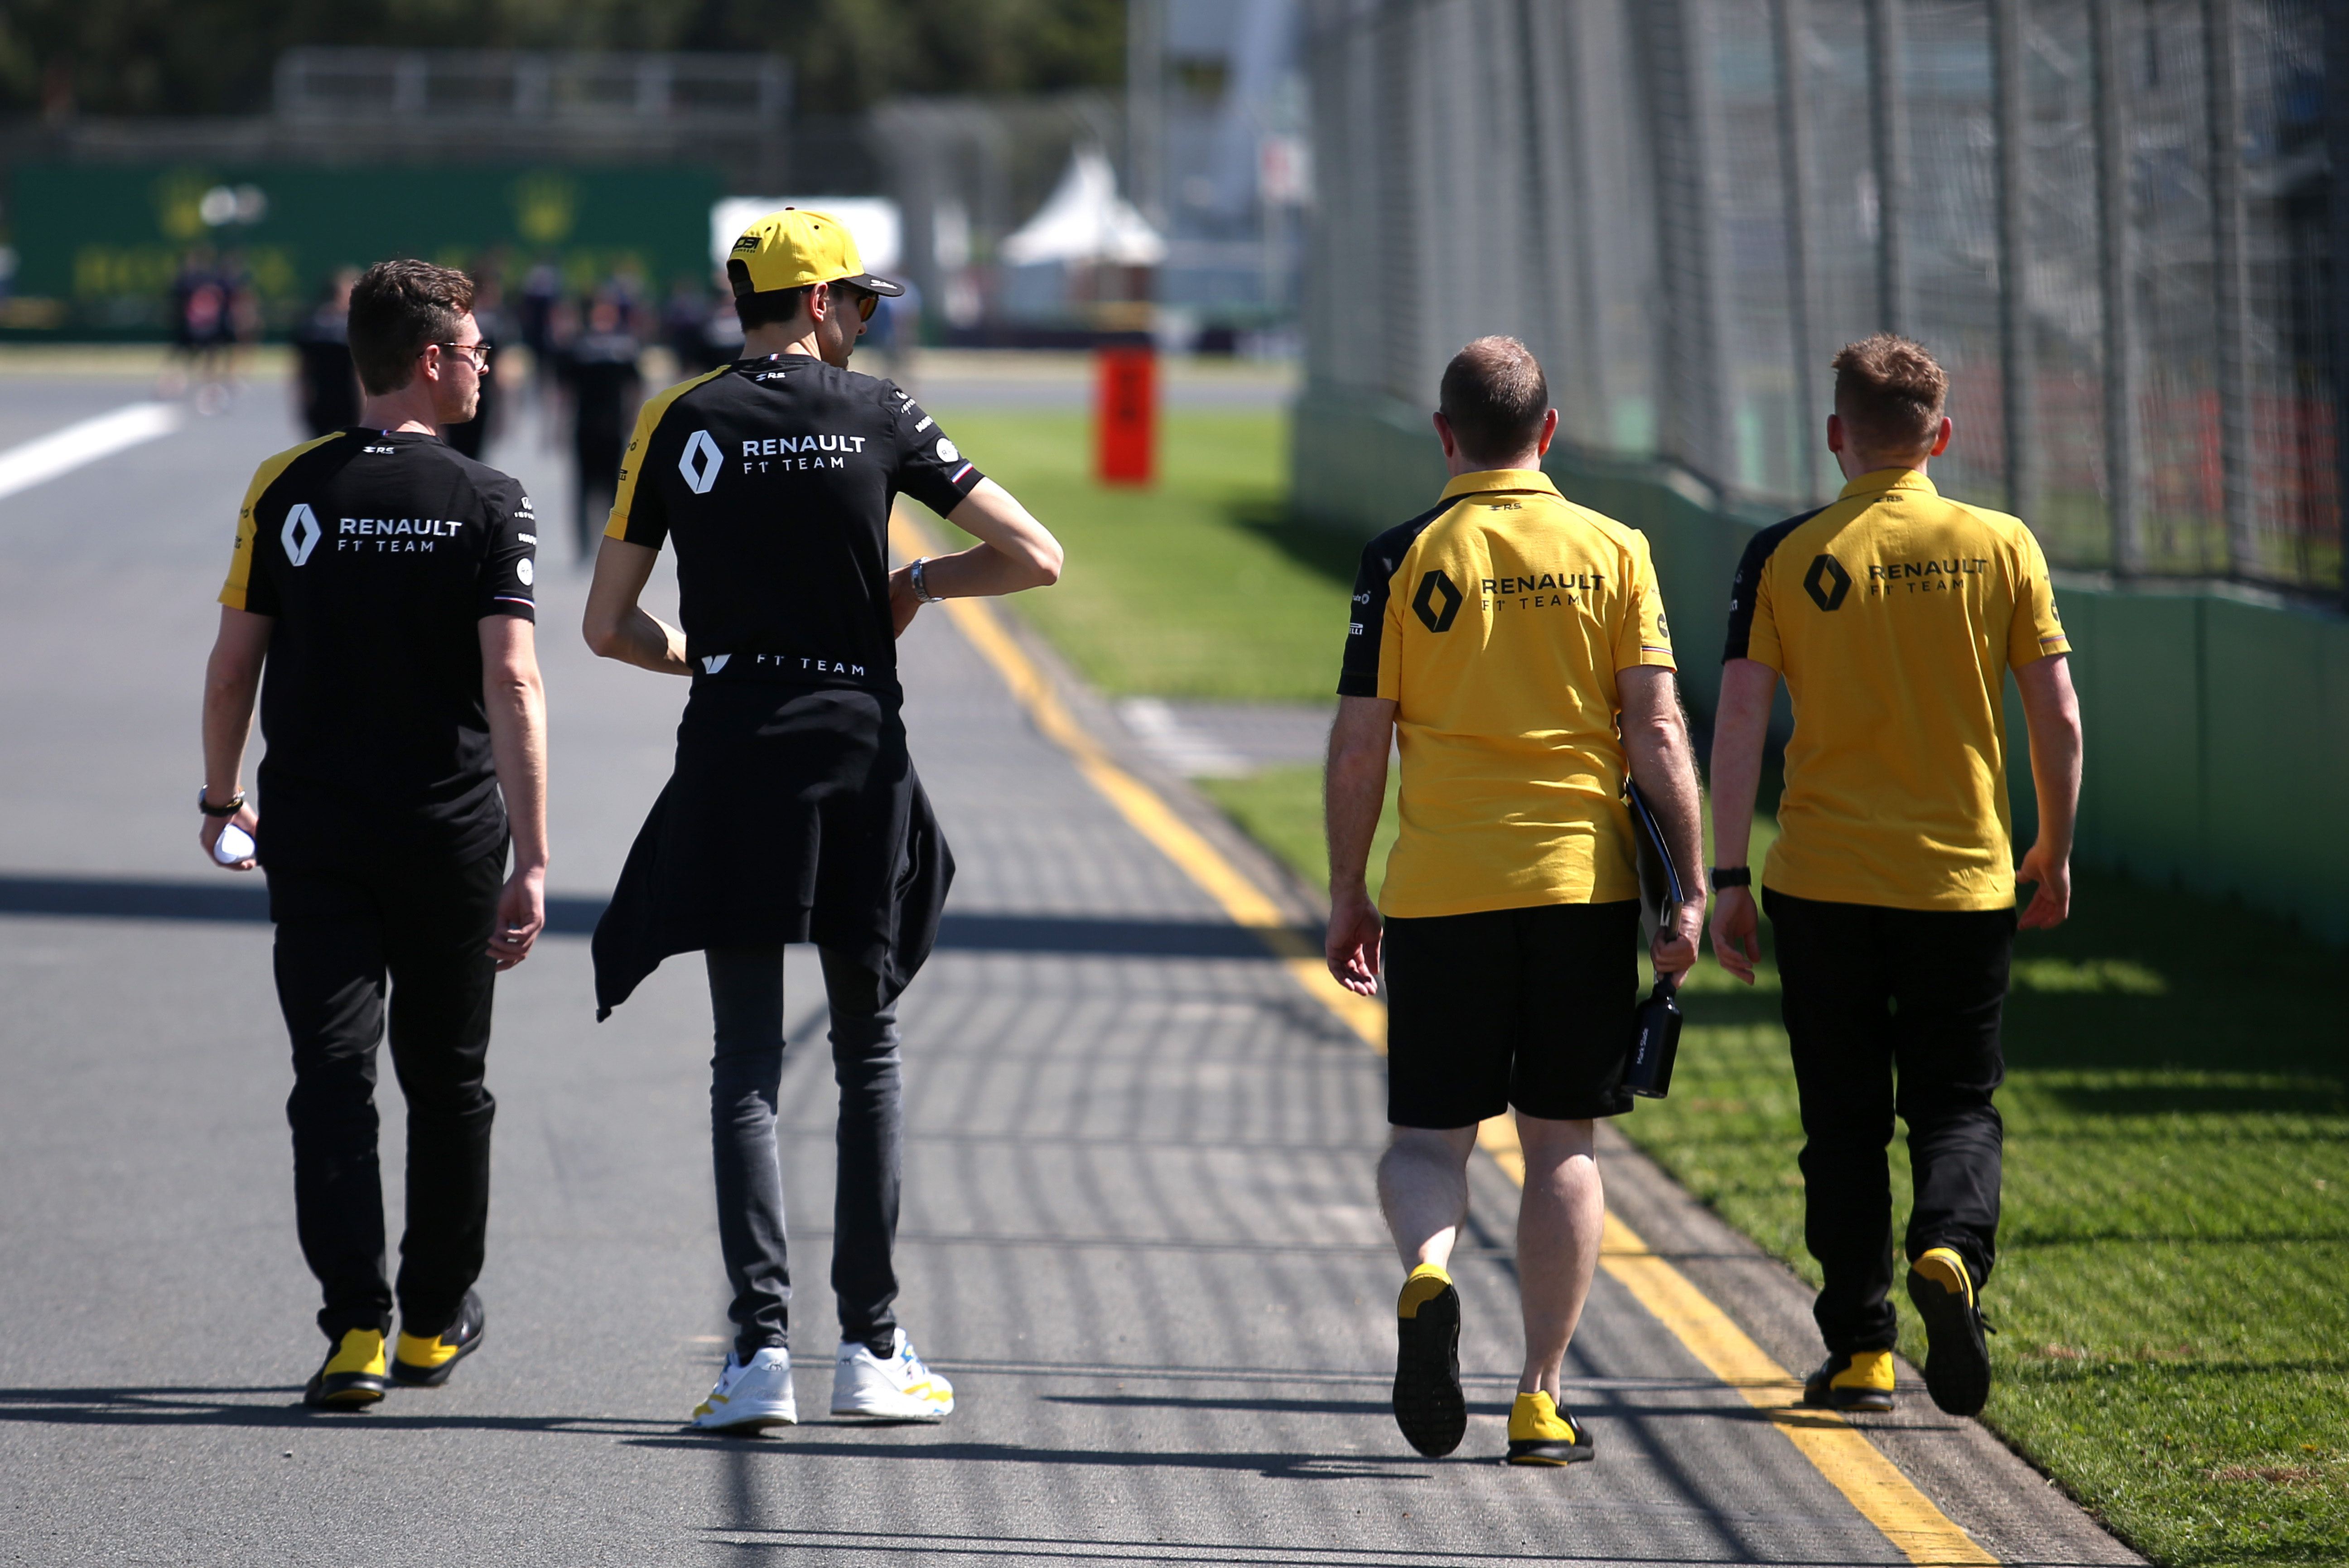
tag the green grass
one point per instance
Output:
(2173, 1280)
(1198, 587)
(1280, 808)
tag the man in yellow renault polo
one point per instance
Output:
(1517, 645)
(1894, 615)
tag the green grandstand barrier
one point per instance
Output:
(2217, 717)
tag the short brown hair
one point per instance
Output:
(398, 307)
(1891, 393)
(1494, 396)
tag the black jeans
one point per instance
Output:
(1870, 992)
(746, 999)
(424, 923)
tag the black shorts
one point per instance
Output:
(1530, 1008)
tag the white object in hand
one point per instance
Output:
(234, 844)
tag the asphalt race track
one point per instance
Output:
(1139, 1229)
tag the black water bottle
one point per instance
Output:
(1655, 1041)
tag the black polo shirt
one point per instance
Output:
(775, 478)
(377, 556)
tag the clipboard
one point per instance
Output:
(1656, 1023)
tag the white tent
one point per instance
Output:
(1085, 220)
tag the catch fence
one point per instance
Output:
(2112, 221)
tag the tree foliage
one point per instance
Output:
(215, 56)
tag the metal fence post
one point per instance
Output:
(1146, 107)
(1802, 284)
(2018, 348)
(2223, 98)
(1684, 112)
(1888, 110)
(1583, 65)
(2116, 242)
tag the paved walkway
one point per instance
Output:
(1139, 1229)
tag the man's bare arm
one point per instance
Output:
(231, 681)
(1741, 725)
(515, 700)
(1014, 553)
(1354, 790)
(1663, 764)
(2051, 710)
(616, 626)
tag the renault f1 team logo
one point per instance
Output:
(700, 462)
(1827, 582)
(301, 534)
(1434, 587)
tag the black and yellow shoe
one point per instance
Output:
(1428, 1404)
(1542, 1434)
(1851, 1381)
(423, 1363)
(352, 1377)
(1957, 1360)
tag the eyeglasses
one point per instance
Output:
(477, 354)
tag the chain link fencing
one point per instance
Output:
(2111, 221)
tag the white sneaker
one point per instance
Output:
(898, 1389)
(749, 1397)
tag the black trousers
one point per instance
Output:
(423, 924)
(1875, 995)
(746, 998)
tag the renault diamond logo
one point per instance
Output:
(1433, 587)
(1827, 582)
(700, 462)
(301, 534)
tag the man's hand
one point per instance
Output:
(1674, 950)
(1354, 943)
(903, 603)
(208, 829)
(1736, 932)
(2052, 902)
(521, 914)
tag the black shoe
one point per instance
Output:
(1428, 1404)
(1851, 1381)
(427, 1362)
(1542, 1434)
(353, 1375)
(1957, 1360)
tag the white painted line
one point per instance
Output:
(44, 458)
(1180, 747)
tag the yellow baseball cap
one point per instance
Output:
(796, 247)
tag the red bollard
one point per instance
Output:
(1125, 417)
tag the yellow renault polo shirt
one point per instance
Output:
(1895, 614)
(1496, 622)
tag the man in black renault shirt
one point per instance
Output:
(794, 814)
(385, 581)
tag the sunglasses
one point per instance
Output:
(866, 303)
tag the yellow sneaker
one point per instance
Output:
(1428, 1404)
(1856, 1380)
(424, 1363)
(1957, 1359)
(352, 1376)
(1542, 1434)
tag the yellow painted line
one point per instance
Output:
(1838, 1450)
(1841, 1451)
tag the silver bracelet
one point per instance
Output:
(922, 583)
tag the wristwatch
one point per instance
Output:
(921, 582)
(1729, 877)
(203, 802)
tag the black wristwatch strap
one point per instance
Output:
(204, 804)
(1730, 877)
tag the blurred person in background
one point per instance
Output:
(385, 583)
(542, 292)
(598, 367)
(200, 317)
(325, 386)
(1894, 616)
(685, 325)
(474, 436)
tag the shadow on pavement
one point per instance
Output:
(162, 1407)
